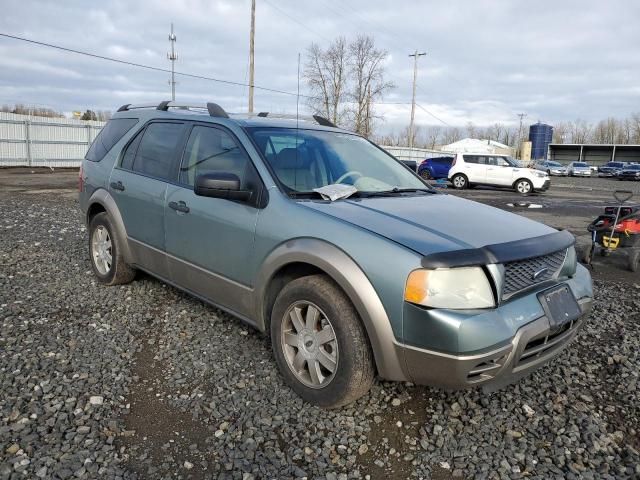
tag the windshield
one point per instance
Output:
(307, 159)
(554, 164)
(633, 167)
(580, 164)
(512, 161)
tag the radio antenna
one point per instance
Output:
(298, 93)
(295, 176)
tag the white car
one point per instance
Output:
(469, 169)
(578, 169)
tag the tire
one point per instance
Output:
(104, 252)
(425, 174)
(349, 348)
(523, 186)
(549, 172)
(459, 181)
(634, 256)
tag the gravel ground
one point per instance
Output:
(142, 381)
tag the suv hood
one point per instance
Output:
(432, 223)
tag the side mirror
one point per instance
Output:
(221, 185)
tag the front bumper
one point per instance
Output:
(545, 186)
(581, 174)
(533, 345)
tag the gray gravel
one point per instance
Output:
(142, 381)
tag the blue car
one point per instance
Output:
(435, 168)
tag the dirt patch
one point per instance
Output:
(154, 428)
(395, 440)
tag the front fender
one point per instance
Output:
(348, 275)
(103, 197)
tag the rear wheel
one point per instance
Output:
(634, 257)
(523, 186)
(320, 344)
(104, 247)
(460, 181)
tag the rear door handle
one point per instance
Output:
(179, 206)
(117, 186)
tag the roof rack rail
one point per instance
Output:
(214, 109)
(317, 118)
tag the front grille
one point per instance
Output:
(520, 274)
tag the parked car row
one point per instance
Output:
(466, 170)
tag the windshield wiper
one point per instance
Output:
(396, 191)
(309, 194)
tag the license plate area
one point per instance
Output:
(559, 305)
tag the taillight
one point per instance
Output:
(454, 160)
(80, 180)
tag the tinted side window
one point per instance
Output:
(471, 159)
(212, 150)
(113, 131)
(157, 150)
(130, 152)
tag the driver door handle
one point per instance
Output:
(179, 206)
(117, 186)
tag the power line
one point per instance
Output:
(297, 21)
(148, 67)
(184, 74)
(433, 115)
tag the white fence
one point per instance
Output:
(416, 154)
(27, 140)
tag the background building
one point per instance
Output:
(593, 154)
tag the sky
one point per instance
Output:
(487, 60)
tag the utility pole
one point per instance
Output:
(173, 56)
(251, 53)
(519, 145)
(415, 56)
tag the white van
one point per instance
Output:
(469, 169)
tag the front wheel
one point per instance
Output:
(633, 259)
(320, 344)
(425, 174)
(460, 181)
(524, 186)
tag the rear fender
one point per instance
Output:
(104, 198)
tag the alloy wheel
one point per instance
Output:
(101, 251)
(309, 344)
(523, 187)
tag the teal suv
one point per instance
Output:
(344, 257)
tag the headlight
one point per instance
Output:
(455, 288)
(570, 263)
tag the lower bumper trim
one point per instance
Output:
(533, 345)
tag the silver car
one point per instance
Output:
(339, 253)
(552, 168)
(578, 169)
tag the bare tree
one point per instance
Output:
(509, 136)
(495, 132)
(451, 135)
(366, 69)
(580, 131)
(325, 72)
(432, 135)
(471, 130)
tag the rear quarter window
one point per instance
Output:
(112, 132)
